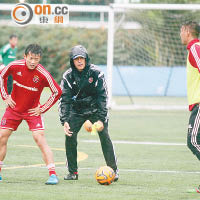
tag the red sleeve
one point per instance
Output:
(54, 87)
(194, 56)
(5, 72)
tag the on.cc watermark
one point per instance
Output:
(23, 14)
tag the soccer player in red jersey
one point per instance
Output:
(29, 79)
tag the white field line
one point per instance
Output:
(149, 107)
(150, 171)
(135, 142)
(146, 171)
(41, 166)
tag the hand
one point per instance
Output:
(88, 126)
(9, 102)
(35, 111)
(99, 126)
(66, 129)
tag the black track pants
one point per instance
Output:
(76, 122)
(193, 139)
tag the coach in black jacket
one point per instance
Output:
(84, 97)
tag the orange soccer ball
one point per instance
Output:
(88, 126)
(105, 175)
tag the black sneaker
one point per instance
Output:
(116, 176)
(71, 176)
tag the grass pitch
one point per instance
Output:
(150, 171)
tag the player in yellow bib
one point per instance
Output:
(189, 36)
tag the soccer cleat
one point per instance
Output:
(116, 176)
(71, 176)
(53, 180)
(0, 178)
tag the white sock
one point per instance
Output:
(51, 168)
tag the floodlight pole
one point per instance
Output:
(110, 46)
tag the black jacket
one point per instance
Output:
(83, 93)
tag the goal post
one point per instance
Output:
(145, 38)
(110, 49)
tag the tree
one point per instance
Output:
(57, 42)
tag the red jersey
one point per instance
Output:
(28, 86)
